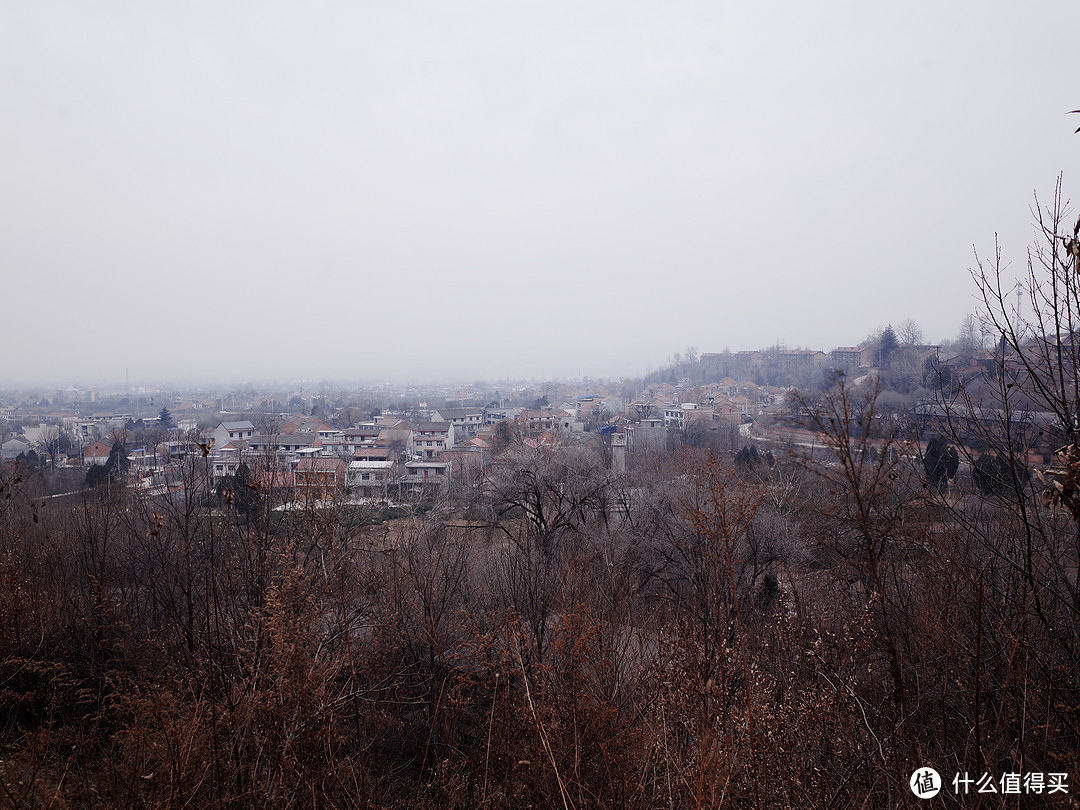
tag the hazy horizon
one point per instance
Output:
(346, 191)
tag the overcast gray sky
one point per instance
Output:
(359, 189)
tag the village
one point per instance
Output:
(394, 444)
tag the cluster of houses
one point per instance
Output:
(396, 458)
(388, 458)
(422, 450)
(391, 457)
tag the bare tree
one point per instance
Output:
(969, 338)
(910, 333)
(1021, 408)
(52, 440)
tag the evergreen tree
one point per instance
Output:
(889, 344)
(242, 490)
(165, 419)
(748, 456)
(941, 461)
(112, 471)
(96, 476)
(994, 474)
(118, 464)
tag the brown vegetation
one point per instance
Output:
(693, 634)
(696, 632)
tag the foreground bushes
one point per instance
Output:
(707, 635)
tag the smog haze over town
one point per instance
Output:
(430, 191)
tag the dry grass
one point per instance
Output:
(724, 644)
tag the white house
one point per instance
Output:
(675, 414)
(429, 439)
(12, 448)
(466, 421)
(369, 479)
(226, 432)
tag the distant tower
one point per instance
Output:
(618, 453)
(1019, 296)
